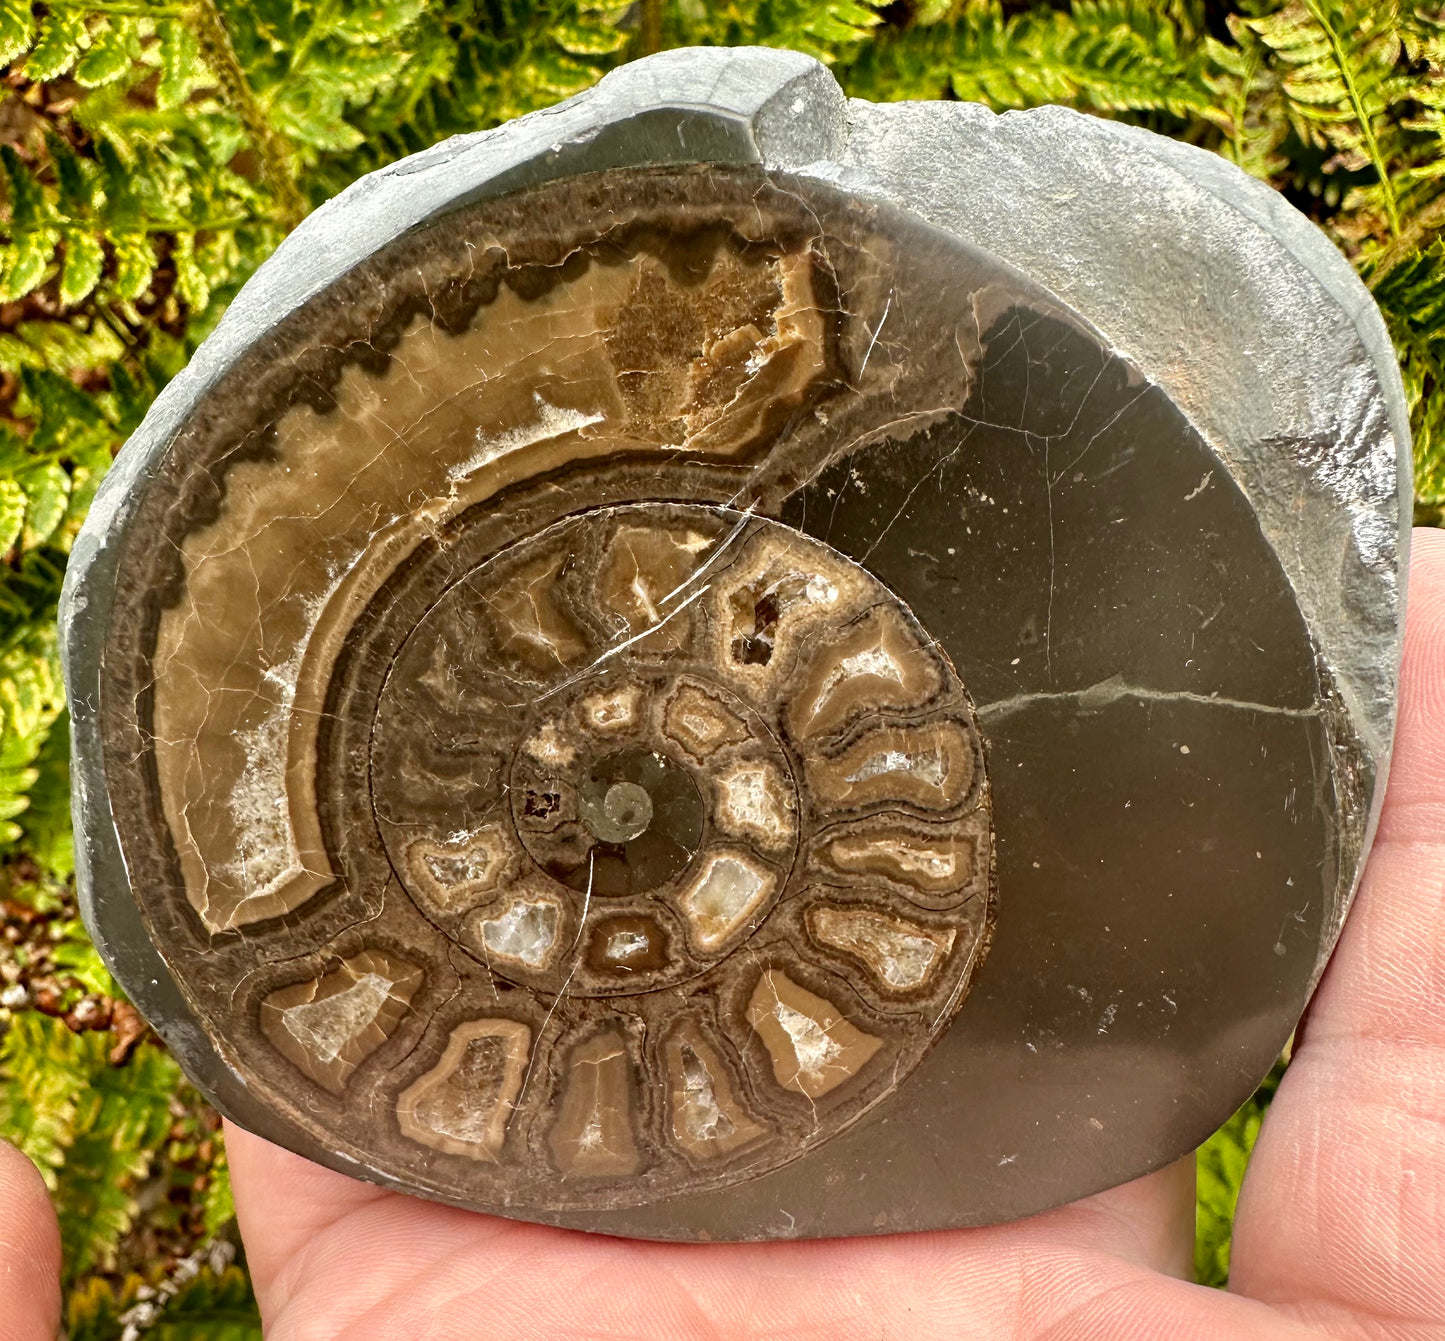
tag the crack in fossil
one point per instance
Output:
(1105, 693)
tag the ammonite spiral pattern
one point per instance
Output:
(560, 829)
(710, 808)
(534, 717)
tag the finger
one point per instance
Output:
(1342, 1216)
(29, 1252)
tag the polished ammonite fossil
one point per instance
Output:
(647, 678)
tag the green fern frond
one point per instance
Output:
(304, 69)
(31, 698)
(214, 1306)
(1414, 142)
(92, 191)
(74, 954)
(830, 30)
(61, 38)
(121, 1120)
(1250, 106)
(218, 1207)
(122, 218)
(1219, 1172)
(210, 1306)
(46, 834)
(1343, 72)
(1411, 294)
(27, 251)
(1105, 55)
(472, 66)
(113, 42)
(44, 1071)
(17, 29)
(93, 1308)
(92, 1128)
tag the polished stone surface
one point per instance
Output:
(711, 664)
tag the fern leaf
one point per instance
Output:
(62, 36)
(1413, 140)
(468, 68)
(209, 1305)
(13, 504)
(1412, 297)
(1106, 55)
(1219, 1172)
(44, 1068)
(84, 261)
(47, 491)
(182, 69)
(67, 419)
(47, 834)
(1342, 60)
(377, 22)
(60, 346)
(1250, 106)
(110, 52)
(31, 698)
(94, 1307)
(23, 266)
(121, 1121)
(75, 188)
(194, 286)
(135, 264)
(219, 1207)
(583, 39)
(214, 1306)
(33, 239)
(75, 952)
(17, 29)
(28, 206)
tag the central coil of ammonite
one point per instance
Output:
(709, 807)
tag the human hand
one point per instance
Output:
(1340, 1231)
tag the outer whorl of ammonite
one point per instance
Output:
(709, 809)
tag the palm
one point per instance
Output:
(336, 1259)
(1341, 1227)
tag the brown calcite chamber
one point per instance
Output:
(681, 701)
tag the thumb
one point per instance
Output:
(29, 1252)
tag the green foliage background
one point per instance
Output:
(154, 152)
